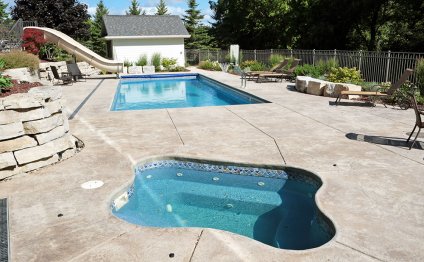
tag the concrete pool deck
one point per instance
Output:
(372, 191)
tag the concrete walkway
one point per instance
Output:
(372, 190)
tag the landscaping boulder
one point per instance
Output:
(135, 70)
(339, 87)
(316, 87)
(148, 69)
(302, 83)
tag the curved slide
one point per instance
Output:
(81, 52)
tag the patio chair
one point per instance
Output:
(253, 75)
(418, 121)
(66, 78)
(285, 74)
(379, 93)
(75, 72)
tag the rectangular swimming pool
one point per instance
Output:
(176, 91)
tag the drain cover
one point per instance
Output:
(92, 184)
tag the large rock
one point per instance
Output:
(17, 144)
(44, 151)
(339, 87)
(11, 130)
(54, 107)
(148, 69)
(22, 101)
(43, 125)
(135, 70)
(8, 116)
(316, 87)
(35, 114)
(47, 93)
(38, 164)
(22, 74)
(302, 83)
(7, 160)
(51, 135)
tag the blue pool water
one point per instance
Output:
(188, 90)
(278, 210)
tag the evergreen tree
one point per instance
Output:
(200, 37)
(67, 16)
(96, 42)
(161, 8)
(3, 13)
(135, 9)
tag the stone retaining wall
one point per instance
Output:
(85, 68)
(34, 131)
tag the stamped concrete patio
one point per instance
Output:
(372, 190)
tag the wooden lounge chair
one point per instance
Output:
(378, 92)
(75, 72)
(287, 74)
(418, 122)
(66, 78)
(253, 75)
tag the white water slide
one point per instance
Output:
(81, 52)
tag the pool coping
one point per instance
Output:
(122, 192)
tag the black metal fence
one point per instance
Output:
(374, 66)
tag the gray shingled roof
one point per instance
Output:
(144, 25)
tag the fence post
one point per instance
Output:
(254, 53)
(335, 54)
(208, 54)
(313, 57)
(291, 53)
(360, 60)
(272, 51)
(388, 66)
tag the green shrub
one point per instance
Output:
(2, 63)
(308, 70)
(142, 60)
(178, 69)
(209, 65)
(156, 61)
(324, 67)
(275, 59)
(419, 73)
(5, 83)
(253, 65)
(52, 52)
(127, 63)
(19, 60)
(169, 63)
(344, 75)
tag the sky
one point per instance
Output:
(118, 7)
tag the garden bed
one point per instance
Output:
(19, 87)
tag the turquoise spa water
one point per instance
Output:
(176, 91)
(278, 212)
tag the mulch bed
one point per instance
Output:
(19, 87)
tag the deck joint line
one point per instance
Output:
(197, 243)
(80, 106)
(357, 250)
(275, 141)
(176, 129)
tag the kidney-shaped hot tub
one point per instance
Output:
(275, 206)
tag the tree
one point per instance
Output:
(161, 8)
(251, 24)
(3, 13)
(96, 42)
(135, 9)
(67, 16)
(200, 37)
(33, 40)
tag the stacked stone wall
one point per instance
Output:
(85, 68)
(34, 131)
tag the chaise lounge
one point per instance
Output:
(408, 72)
(288, 74)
